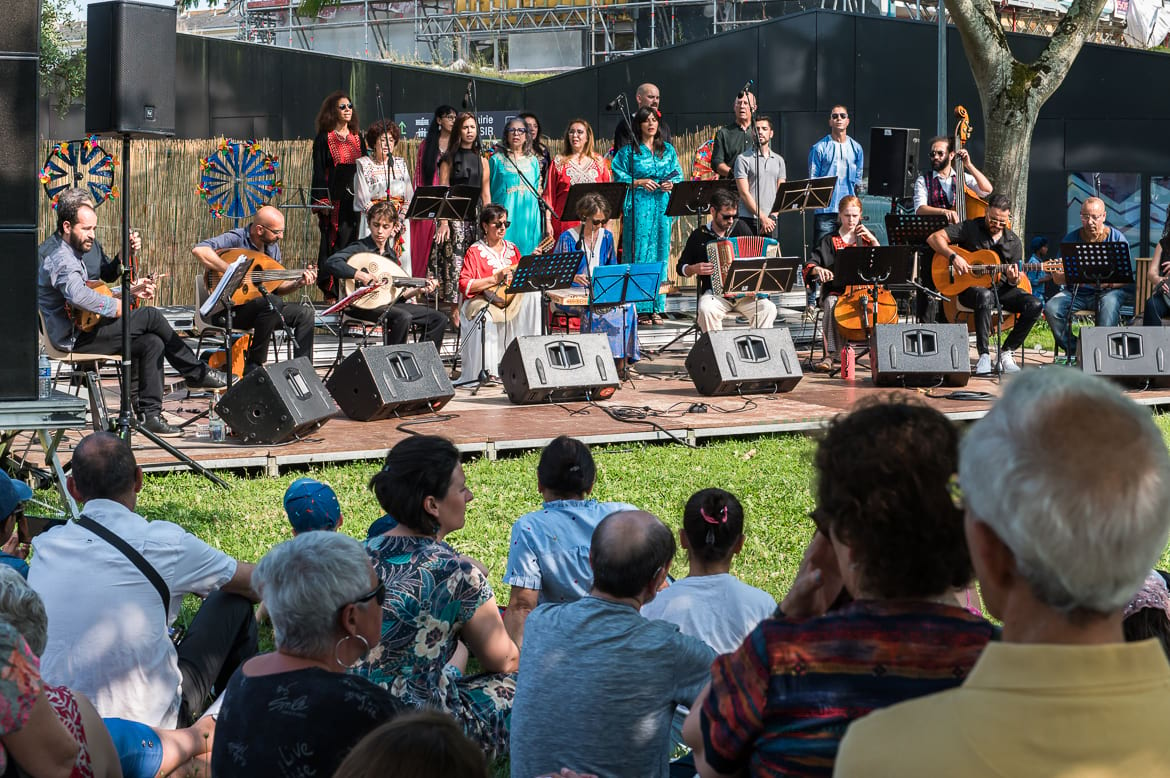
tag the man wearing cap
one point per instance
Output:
(311, 505)
(13, 495)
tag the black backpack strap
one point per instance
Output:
(143, 566)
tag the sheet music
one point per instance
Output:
(211, 304)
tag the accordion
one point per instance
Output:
(723, 251)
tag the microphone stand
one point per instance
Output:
(623, 107)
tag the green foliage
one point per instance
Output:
(62, 68)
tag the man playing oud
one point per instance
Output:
(991, 232)
(267, 312)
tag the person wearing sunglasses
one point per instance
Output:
(936, 195)
(300, 701)
(838, 155)
(336, 149)
(14, 550)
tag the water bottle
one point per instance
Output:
(216, 429)
(848, 362)
(44, 377)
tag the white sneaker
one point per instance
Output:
(983, 366)
(1007, 364)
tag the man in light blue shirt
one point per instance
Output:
(838, 155)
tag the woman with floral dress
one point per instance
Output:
(436, 598)
(381, 176)
(580, 164)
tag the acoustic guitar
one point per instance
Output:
(389, 277)
(986, 266)
(88, 321)
(264, 275)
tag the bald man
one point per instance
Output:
(646, 96)
(601, 682)
(267, 313)
(1106, 299)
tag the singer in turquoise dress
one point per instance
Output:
(651, 167)
(509, 162)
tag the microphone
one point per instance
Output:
(467, 96)
(747, 87)
(612, 104)
(378, 90)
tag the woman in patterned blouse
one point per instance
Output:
(580, 164)
(336, 150)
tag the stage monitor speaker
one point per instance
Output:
(18, 347)
(378, 382)
(130, 69)
(919, 355)
(893, 161)
(753, 361)
(276, 402)
(1137, 356)
(559, 367)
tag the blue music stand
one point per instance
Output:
(613, 285)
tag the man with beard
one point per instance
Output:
(647, 95)
(936, 195)
(62, 290)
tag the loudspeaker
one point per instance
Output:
(1132, 355)
(20, 32)
(130, 69)
(893, 161)
(378, 382)
(559, 367)
(919, 355)
(18, 347)
(753, 361)
(276, 402)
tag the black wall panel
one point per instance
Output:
(787, 64)
(836, 62)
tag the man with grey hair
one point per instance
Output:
(598, 682)
(1060, 545)
(647, 96)
(110, 610)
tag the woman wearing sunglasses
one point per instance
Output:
(436, 598)
(336, 150)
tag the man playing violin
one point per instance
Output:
(693, 261)
(265, 314)
(936, 195)
(991, 232)
(382, 218)
(61, 287)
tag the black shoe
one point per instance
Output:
(212, 379)
(155, 424)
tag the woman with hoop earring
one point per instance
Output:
(325, 602)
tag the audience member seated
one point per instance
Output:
(426, 744)
(435, 597)
(31, 735)
(598, 682)
(548, 556)
(1060, 545)
(13, 495)
(297, 711)
(1148, 614)
(311, 505)
(890, 537)
(22, 608)
(108, 639)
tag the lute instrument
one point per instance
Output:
(264, 275)
(389, 277)
(84, 320)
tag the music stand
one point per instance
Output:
(693, 198)
(614, 193)
(1097, 263)
(802, 195)
(911, 229)
(873, 265)
(761, 275)
(544, 272)
(455, 203)
(612, 286)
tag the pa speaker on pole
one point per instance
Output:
(130, 69)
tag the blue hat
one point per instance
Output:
(311, 505)
(12, 494)
(1038, 243)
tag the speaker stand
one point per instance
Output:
(128, 422)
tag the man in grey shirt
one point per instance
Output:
(758, 173)
(598, 683)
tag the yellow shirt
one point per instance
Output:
(1028, 710)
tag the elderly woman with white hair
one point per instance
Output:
(299, 704)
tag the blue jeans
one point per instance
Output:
(1108, 306)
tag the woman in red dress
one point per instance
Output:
(579, 164)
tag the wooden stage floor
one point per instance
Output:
(488, 424)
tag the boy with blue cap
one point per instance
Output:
(311, 505)
(13, 495)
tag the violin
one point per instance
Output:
(860, 308)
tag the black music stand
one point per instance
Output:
(693, 198)
(543, 273)
(1097, 263)
(456, 203)
(873, 266)
(912, 229)
(762, 275)
(614, 193)
(802, 195)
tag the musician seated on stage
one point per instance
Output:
(1106, 299)
(62, 294)
(936, 195)
(487, 271)
(265, 313)
(991, 232)
(382, 218)
(98, 265)
(759, 311)
(850, 232)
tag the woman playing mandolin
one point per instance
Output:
(483, 281)
(850, 232)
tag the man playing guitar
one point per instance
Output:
(382, 218)
(991, 232)
(265, 314)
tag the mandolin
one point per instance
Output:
(264, 276)
(388, 275)
(985, 264)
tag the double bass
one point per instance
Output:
(862, 307)
(970, 205)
